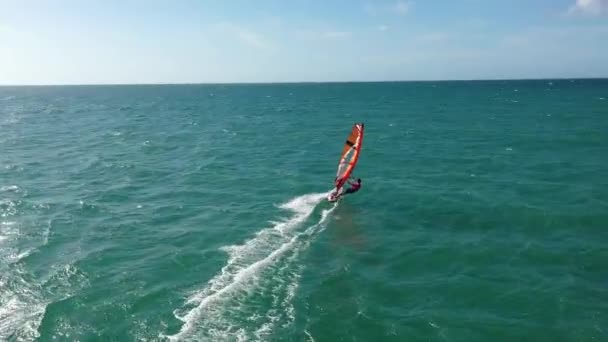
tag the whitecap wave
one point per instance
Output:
(24, 296)
(9, 188)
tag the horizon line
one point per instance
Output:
(301, 82)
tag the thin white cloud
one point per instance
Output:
(252, 38)
(402, 7)
(246, 36)
(336, 34)
(370, 8)
(11, 32)
(382, 28)
(399, 7)
(6, 30)
(434, 37)
(309, 34)
(476, 23)
(589, 7)
(539, 39)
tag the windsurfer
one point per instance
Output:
(354, 187)
(348, 161)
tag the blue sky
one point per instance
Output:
(96, 41)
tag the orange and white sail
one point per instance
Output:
(350, 155)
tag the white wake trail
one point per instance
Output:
(210, 312)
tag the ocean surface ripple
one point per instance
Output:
(198, 212)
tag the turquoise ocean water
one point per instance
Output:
(197, 212)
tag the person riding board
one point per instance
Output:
(354, 186)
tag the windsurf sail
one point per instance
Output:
(350, 155)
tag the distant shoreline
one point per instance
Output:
(304, 82)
